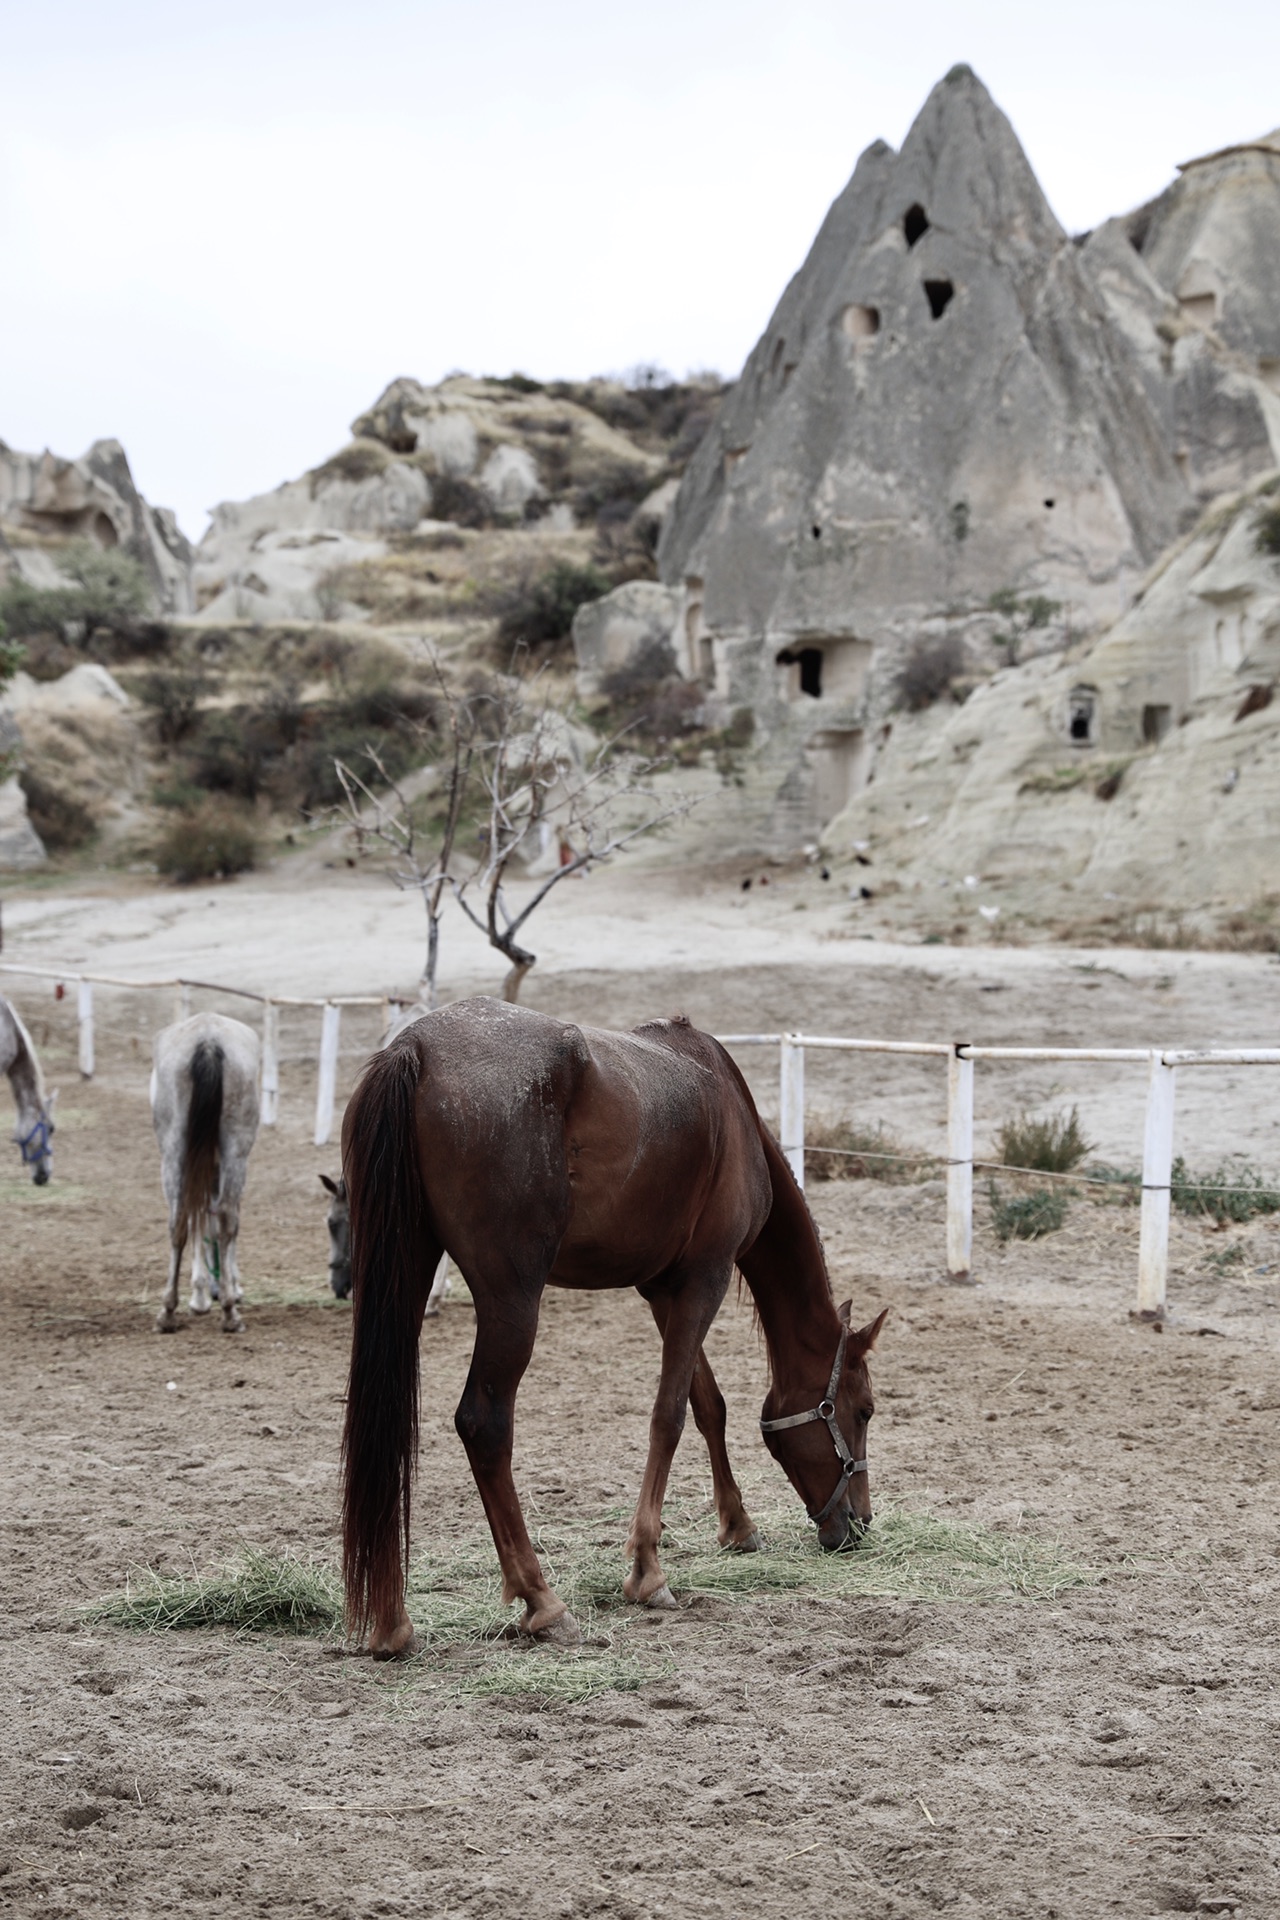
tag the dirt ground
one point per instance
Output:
(1109, 1751)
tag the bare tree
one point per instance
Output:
(421, 851)
(538, 788)
(515, 762)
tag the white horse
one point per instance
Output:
(18, 1059)
(204, 1105)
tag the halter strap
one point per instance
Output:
(826, 1411)
(32, 1155)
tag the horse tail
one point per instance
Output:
(200, 1159)
(393, 1254)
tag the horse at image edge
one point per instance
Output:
(18, 1058)
(536, 1152)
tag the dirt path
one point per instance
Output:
(1108, 1750)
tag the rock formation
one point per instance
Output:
(954, 400)
(45, 499)
(1141, 771)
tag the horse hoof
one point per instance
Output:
(400, 1645)
(232, 1322)
(166, 1322)
(664, 1600)
(563, 1631)
(200, 1306)
(752, 1544)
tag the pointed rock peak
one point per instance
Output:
(963, 164)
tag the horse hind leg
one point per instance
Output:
(167, 1318)
(226, 1225)
(202, 1292)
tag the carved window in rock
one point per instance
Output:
(1157, 718)
(915, 224)
(860, 324)
(939, 294)
(1082, 716)
(834, 670)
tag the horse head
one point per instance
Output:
(339, 1235)
(828, 1440)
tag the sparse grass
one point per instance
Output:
(1266, 528)
(1054, 780)
(1050, 1143)
(1122, 1185)
(211, 844)
(255, 1593)
(840, 1150)
(1028, 1216)
(574, 1676)
(1230, 1194)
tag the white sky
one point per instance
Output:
(224, 228)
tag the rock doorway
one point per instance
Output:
(939, 294)
(1156, 721)
(839, 770)
(915, 224)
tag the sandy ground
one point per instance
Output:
(1109, 1751)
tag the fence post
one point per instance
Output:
(84, 1011)
(791, 1106)
(326, 1085)
(959, 1164)
(1157, 1179)
(270, 1106)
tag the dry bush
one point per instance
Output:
(174, 695)
(841, 1150)
(1052, 1143)
(62, 820)
(1266, 528)
(536, 611)
(212, 843)
(928, 672)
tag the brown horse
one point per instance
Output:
(536, 1153)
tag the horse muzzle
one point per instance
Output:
(340, 1281)
(41, 1176)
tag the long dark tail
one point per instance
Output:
(200, 1161)
(393, 1256)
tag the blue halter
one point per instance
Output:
(35, 1145)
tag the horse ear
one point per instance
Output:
(862, 1342)
(329, 1185)
(844, 1311)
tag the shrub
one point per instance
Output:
(459, 500)
(538, 613)
(1246, 1192)
(927, 672)
(212, 843)
(62, 821)
(1051, 1144)
(1028, 1216)
(359, 460)
(174, 695)
(1266, 529)
(106, 588)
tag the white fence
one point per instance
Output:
(1157, 1147)
(182, 989)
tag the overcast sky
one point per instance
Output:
(224, 228)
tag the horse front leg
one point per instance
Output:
(737, 1530)
(684, 1318)
(485, 1422)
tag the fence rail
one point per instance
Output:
(961, 1057)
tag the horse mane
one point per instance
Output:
(782, 1181)
(27, 1046)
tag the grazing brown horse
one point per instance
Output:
(536, 1153)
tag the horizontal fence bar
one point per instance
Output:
(749, 1039)
(1142, 1054)
(1224, 1057)
(935, 1048)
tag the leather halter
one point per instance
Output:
(35, 1145)
(826, 1410)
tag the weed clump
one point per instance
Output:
(212, 843)
(1266, 529)
(1230, 1194)
(538, 612)
(1028, 1216)
(63, 822)
(1051, 1144)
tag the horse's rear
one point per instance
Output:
(204, 1106)
(534, 1153)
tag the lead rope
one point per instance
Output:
(826, 1411)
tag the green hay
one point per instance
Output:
(25, 1193)
(572, 1677)
(255, 1593)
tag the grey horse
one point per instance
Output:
(204, 1106)
(340, 1250)
(19, 1060)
